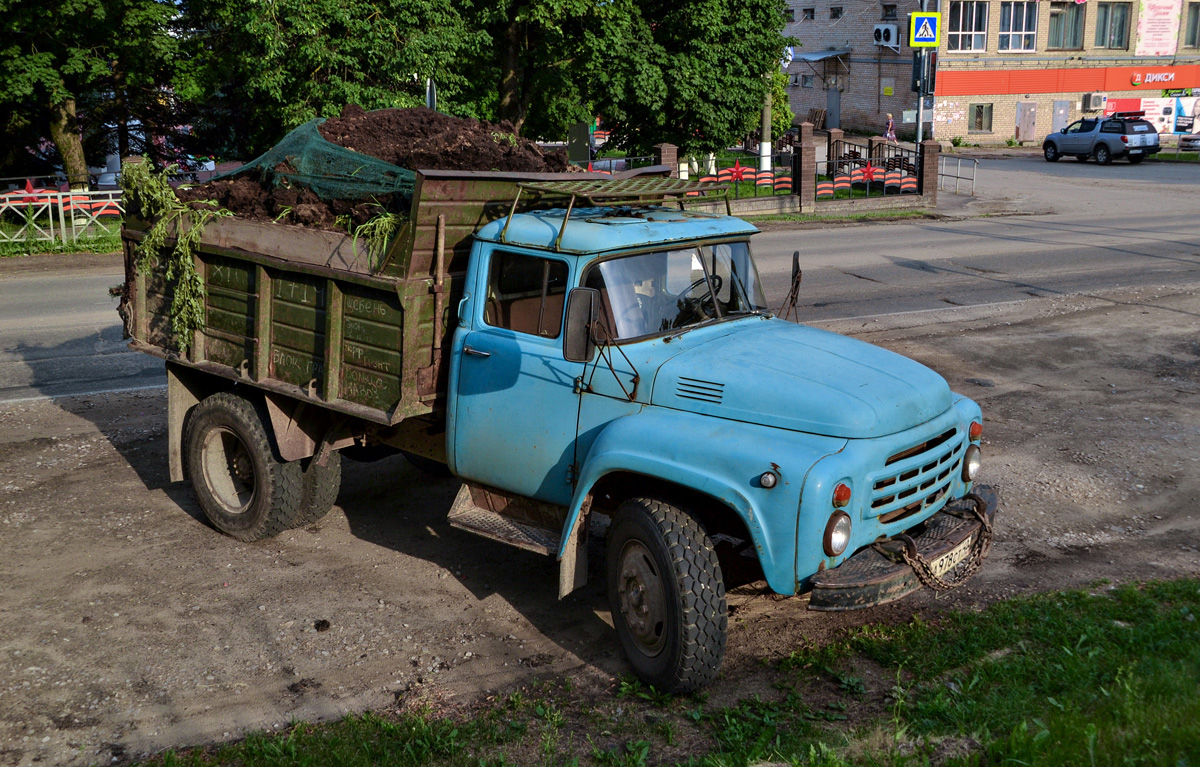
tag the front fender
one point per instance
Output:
(722, 459)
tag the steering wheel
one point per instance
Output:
(703, 306)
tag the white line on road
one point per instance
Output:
(80, 394)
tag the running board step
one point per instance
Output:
(513, 527)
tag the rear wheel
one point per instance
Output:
(667, 595)
(1103, 155)
(245, 489)
(1050, 152)
(321, 486)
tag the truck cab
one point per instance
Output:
(623, 361)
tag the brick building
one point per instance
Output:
(1006, 69)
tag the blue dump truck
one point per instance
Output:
(586, 354)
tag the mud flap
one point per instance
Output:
(872, 578)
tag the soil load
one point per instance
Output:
(417, 138)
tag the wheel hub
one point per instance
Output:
(228, 470)
(642, 598)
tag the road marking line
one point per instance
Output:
(80, 394)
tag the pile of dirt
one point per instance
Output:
(422, 138)
(418, 138)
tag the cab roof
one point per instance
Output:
(607, 228)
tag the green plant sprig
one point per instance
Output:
(150, 196)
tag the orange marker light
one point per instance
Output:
(841, 495)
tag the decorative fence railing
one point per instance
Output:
(860, 171)
(745, 180)
(43, 215)
(960, 176)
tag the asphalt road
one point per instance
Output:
(1083, 227)
(60, 334)
(1079, 227)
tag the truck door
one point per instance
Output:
(516, 409)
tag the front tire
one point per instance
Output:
(1103, 155)
(245, 489)
(1050, 152)
(667, 595)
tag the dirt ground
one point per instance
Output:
(127, 625)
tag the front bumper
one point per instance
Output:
(870, 578)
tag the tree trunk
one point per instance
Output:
(64, 131)
(512, 107)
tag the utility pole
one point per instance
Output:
(923, 68)
(764, 144)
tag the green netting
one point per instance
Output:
(306, 159)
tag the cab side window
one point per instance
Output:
(526, 294)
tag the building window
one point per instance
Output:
(889, 13)
(808, 14)
(806, 81)
(967, 30)
(789, 14)
(1112, 25)
(1018, 26)
(1192, 39)
(835, 12)
(1066, 26)
(980, 118)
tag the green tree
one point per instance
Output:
(692, 74)
(84, 70)
(259, 69)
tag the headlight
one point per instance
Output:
(837, 533)
(971, 463)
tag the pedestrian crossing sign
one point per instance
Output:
(924, 30)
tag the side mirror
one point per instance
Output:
(583, 309)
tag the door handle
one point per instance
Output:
(475, 352)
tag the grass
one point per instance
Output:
(1093, 678)
(1177, 156)
(103, 243)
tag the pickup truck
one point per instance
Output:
(1104, 138)
(584, 353)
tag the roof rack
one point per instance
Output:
(638, 190)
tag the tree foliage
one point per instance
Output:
(693, 74)
(230, 77)
(260, 69)
(82, 71)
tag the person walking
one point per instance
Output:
(890, 131)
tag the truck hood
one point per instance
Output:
(790, 376)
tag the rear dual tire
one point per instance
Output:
(242, 484)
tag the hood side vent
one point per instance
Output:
(705, 391)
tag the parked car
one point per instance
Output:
(1105, 138)
(1190, 143)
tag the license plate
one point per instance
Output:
(1135, 151)
(947, 562)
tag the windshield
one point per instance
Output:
(668, 290)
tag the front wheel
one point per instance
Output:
(1103, 155)
(1050, 152)
(245, 489)
(667, 595)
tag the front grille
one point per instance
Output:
(694, 388)
(920, 476)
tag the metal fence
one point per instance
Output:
(748, 180)
(958, 176)
(858, 171)
(42, 215)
